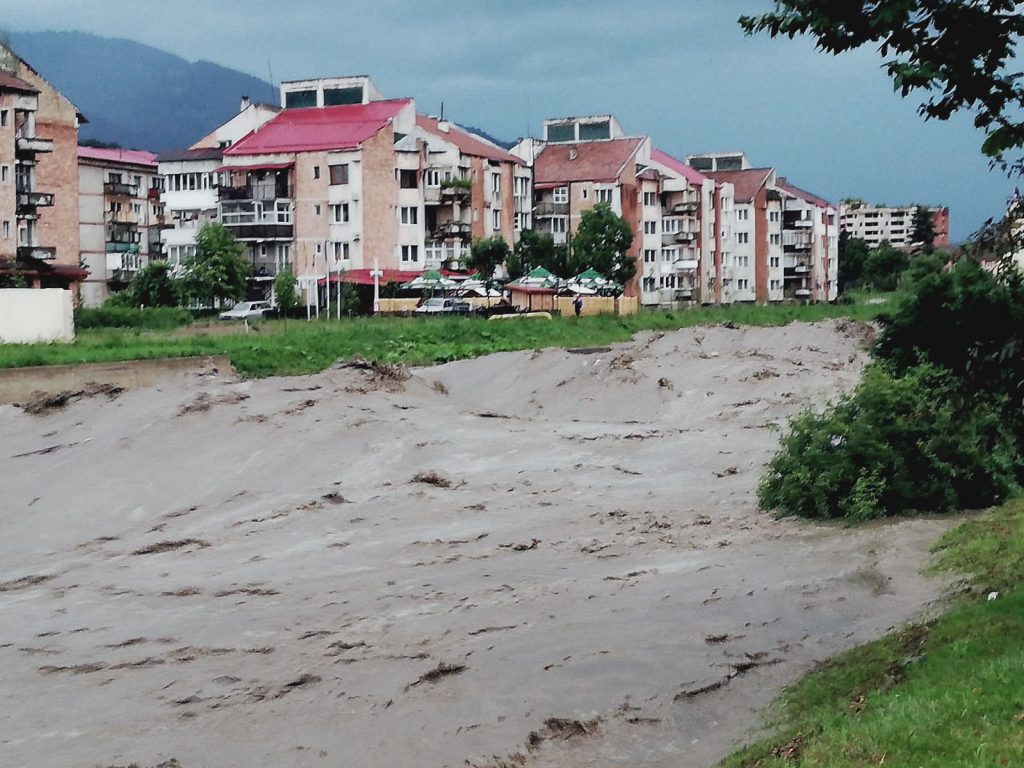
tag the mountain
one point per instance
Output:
(137, 96)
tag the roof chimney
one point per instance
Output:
(245, 104)
(444, 126)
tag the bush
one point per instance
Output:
(150, 319)
(912, 442)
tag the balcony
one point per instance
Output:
(256, 220)
(685, 265)
(671, 238)
(32, 145)
(265, 192)
(29, 201)
(119, 189)
(797, 241)
(548, 208)
(39, 252)
(455, 192)
(153, 193)
(687, 208)
(449, 229)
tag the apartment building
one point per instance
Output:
(877, 224)
(120, 218)
(39, 240)
(190, 180)
(343, 180)
(785, 239)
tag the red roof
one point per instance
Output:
(745, 183)
(104, 155)
(468, 143)
(317, 129)
(256, 167)
(692, 175)
(785, 186)
(598, 161)
(363, 276)
(12, 83)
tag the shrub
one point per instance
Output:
(898, 443)
(151, 318)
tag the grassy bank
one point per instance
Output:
(298, 347)
(946, 694)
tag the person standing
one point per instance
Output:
(577, 305)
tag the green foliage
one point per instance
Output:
(539, 250)
(154, 286)
(961, 53)
(110, 315)
(602, 242)
(922, 231)
(898, 444)
(488, 254)
(216, 274)
(883, 267)
(457, 183)
(14, 281)
(285, 293)
(853, 254)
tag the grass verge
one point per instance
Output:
(946, 694)
(300, 347)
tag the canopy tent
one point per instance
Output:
(593, 279)
(537, 278)
(432, 280)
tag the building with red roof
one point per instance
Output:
(38, 178)
(120, 217)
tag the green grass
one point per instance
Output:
(947, 694)
(299, 347)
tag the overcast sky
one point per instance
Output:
(679, 70)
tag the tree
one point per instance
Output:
(154, 286)
(486, 255)
(853, 253)
(601, 243)
(285, 295)
(535, 249)
(216, 273)
(923, 228)
(883, 267)
(959, 52)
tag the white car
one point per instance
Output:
(438, 305)
(247, 310)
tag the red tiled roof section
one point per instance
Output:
(131, 156)
(468, 143)
(692, 175)
(598, 161)
(745, 183)
(804, 195)
(314, 129)
(11, 83)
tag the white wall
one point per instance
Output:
(28, 315)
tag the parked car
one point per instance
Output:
(446, 306)
(248, 310)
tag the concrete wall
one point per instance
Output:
(28, 316)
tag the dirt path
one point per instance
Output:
(531, 559)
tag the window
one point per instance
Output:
(650, 256)
(583, 193)
(495, 182)
(341, 252)
(432, 177)
(669, 254)
(496, 220)
(773, 216)
(650, 227)
(743, 284)
(316, 171)
(775, 239)
(742, 238)
(114, 178)
(410, 215)
(339, 173)
(561, 196)
(773, 262)
(3, 118)
(775, 285)
(407, 179)
(648, 284)
(410, 253)
(669, 226)
(7, 230)
(742, 214)
(604, 196)
(520, 219)
(5, 171)
(316, 209)
(558, 225)
(650, 198)
(340, 213)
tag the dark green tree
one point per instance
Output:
(959, 53)
(883, 267)
(154, 286)
(923, 228)
(216, 274)
(285, 294)
(487, 255)
(602, 242)
(536, 249)
(853, 253)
